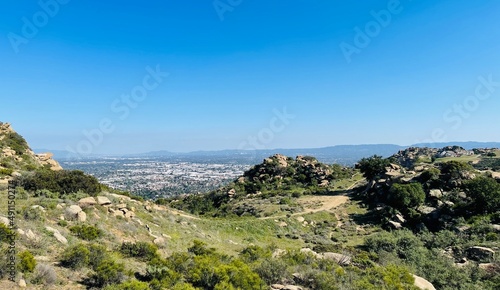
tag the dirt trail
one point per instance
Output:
(327, 202)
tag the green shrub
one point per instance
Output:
(6, 171)
(98, 253)
(62, 223)
(129, 285)
(86, 232)
(32, 214)
(44, 274)
(141, 250)
(27, 262)
(272, 270)
(403, 196)
(63, 182)
(107, 273)
(6, 233)
(75, 257)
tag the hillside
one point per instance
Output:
(420, 219)
(16, 155)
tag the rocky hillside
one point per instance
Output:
(16, 156)
(278, 180)
(287, 223)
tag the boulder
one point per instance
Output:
(480, 254)
(82, 216)
(341, 259)
(292, 287)
(422, 283)
(60, 238)
(22, 283)
(395, 225)
(72, 211)
(121, 206)
(436, 193)
(129, 214)
(159, 241)
(30, 235)
(102, 200)
(400, 218)
(300, 219)
(277, 286)
(4, 220)
(86, 202)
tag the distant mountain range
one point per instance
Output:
(342, 154)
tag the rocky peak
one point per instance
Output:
(16, 155)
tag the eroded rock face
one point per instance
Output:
(423, 284)
(480, 254)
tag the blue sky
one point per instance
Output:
(341, 72)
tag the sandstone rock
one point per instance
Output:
(59, 206)
(292, 287)
(72, 211)
(82, 216)
(487, 266)
(4, 220)
(118, 213)
(436, 193)
(277, 286)
(400, 218)
(422, 283)
(86, 202)
(480, 254)
(60, 238)
(102, 200)
(159, 241)
(121, 206)
(22, 283)
(395, 225)
(300, 219)
(278, 253)
(30, 235)
(21, 232)
(309, 251)
(339, 258)
(39, 207)
(51, 229)
(129, 214)
(283, 224)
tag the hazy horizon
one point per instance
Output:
(131, 77)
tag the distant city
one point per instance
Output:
(164, 174)
(159, 176)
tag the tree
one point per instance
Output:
(485, 194)
(373, 167)
(403, 196)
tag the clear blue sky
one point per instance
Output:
(65, 67)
